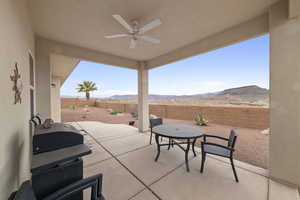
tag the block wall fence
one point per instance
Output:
(257, 118)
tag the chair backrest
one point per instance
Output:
(232, 139)
(155, 122)
(25, 192)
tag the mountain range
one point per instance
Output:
(246, 93)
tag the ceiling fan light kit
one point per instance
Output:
(135, 32)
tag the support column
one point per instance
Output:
(43, 79)
(284, 163)
(55, 99)
(143, 106)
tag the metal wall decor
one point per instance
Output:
(18, 86)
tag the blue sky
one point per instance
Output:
(245, 63)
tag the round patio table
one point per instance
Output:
(186, 133)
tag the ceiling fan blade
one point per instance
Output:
(150, 39)
(132, 43)
(122, 21)
(116, 36)
(150, 26)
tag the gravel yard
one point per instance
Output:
(251, 147)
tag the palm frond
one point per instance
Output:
(86, 86)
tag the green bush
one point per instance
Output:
(201, 120)
(115, 113)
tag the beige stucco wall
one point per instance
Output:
(16, 40)
(43, 80)
(55, 99)
(55, 47)
(285, 93)
(143, 105)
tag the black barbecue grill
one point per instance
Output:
(57, 159)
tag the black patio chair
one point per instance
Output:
(219, 150)
(153, 123)
(26, 191)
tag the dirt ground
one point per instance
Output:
(251, 146)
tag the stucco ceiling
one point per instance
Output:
(62, 66)
(85, 22)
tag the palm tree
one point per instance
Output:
(87, 87)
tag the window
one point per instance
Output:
(31, 88)
(32, 104)
(31, 68)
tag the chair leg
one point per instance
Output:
(151, 138)
(233, 169)
(202, 162)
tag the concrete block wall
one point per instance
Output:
(257, 118)
(78, 102)
(117, 107)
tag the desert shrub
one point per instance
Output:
(73, 106)
(201, 120)
(115, 113)
(134, 114)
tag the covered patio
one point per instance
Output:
(127, 160)
(48, 38)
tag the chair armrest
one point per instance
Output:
(93, 182)
(218, 145)
(215, 136)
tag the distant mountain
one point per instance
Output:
(69, 96)
(152, 96)
(129, 96)
(247, 93)
(252, 90)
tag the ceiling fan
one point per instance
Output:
(135, 32)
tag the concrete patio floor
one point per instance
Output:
(126, 160)
(252, 146)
